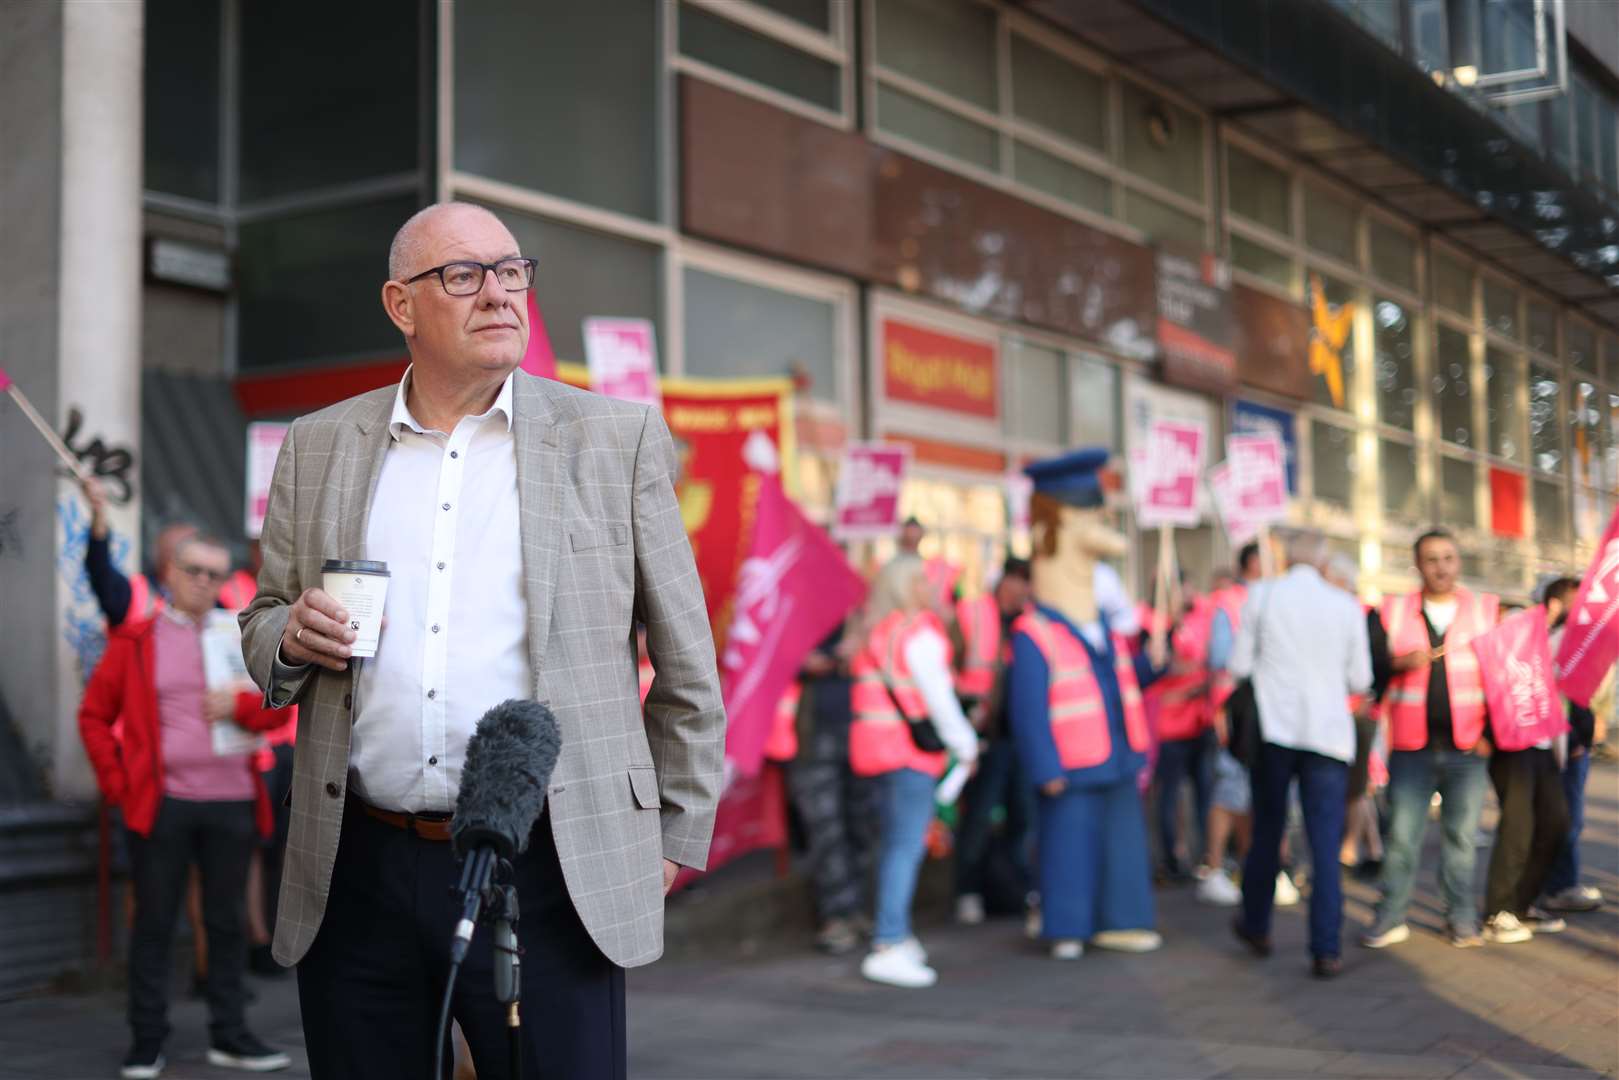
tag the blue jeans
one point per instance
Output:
(1323, 785)
(1566, 870)
(907, 807)
(1414, 776)
(1177, 760)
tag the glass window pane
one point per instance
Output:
(330, 107)
(1396, 365)
(1457, 502)
(1503, 380)
(948, 44)
(1453, 386)
(309, 285)
(602, 53)
(1163, 142)
(1500, 307)
(1332, 462)
(922, 122)
(1397, 472)
(1094, 394)
(1058, 95)
(1258, 190)
(1453, 284)
(1329, 224)
(737, 328)
(1507, 34)
(1394, 255)
(1274, 266)
(1582, 347)
(1541, 327)
(1551, 512)
(1335, 334)
(1035, 376)
(1162, 223)
(1062, 179)
(734, 48)
(584, 273)
(1545, 419)
(1586, 425)
(816, 14)
(182, 99)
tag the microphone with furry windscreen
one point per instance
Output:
(503, 783)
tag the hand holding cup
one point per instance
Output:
(317, 632)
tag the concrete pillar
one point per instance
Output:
(70, 211)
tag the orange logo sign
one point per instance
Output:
(941, 371)
(1329, 334)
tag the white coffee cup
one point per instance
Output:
(361, 589)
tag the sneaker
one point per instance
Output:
(1287, 894)
(144, 1060)
(1382, 939)
(246, 1052)
(969, 909)
(837, 937)
(1503, 928)
(1540, 921)
(1033, 924)
(913, 947)
(1219, 890)
(1137, 941)
(897, 966)
(1574, 898)
(1466, 936)
(1067, 949)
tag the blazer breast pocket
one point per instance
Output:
(605, 536)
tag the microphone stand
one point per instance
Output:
(497, 906)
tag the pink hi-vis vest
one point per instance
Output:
(1078, 713)
(879, 739)
(238, 591)
(980, 620)
(1407, 697)
(1229, 600)
(782, 745)
(1181, 716)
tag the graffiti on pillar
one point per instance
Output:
(83, 626)
(111, 464)
(10, 534)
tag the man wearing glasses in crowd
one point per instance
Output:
(182, 803)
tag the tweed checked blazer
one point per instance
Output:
(602, 545)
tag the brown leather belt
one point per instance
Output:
(426, 826)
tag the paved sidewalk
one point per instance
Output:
(1199, 1008)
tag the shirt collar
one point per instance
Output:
(178, 617)
(401, 417)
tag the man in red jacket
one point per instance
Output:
(182, 803)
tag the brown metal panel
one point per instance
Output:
(994, 254)
(760, 177)
(1273, 343)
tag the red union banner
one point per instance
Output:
(1591, 634)
(942, 371)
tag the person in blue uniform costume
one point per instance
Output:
(1074, 701)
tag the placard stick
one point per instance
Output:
(1267, 557)
(44, 429)
(1160, 604)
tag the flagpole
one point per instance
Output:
(44, 429)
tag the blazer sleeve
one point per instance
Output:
(685, 720)
(264, 620)
(102, 703)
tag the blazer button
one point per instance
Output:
(333, 790)
(348, 701)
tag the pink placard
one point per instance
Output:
(1258, 476)
(1239, 527)
(868, 490)
(263, 447)
(623, 358)
(1170, 467)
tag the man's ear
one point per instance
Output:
(400, 306)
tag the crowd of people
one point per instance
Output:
(1224, 740)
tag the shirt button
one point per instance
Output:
(333, 790)
(435, 628)
(455, 453)
(441, 566)
(446, 506)
(432, 760)
(348, 701)
(432, 694)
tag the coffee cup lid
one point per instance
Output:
(354, 566)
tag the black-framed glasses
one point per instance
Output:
(202, 573)
(466, 278)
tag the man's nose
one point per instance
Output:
(492, 294)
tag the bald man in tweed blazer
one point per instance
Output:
(602, 547)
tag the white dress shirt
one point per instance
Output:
(444, 519)
(1304, 644)
(927, 659)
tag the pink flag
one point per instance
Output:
(1515, 664)
(1591, 634)
(793, 589)
(538, 359)
(5, 380)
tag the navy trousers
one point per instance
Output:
(370, 986)
(1323, 783)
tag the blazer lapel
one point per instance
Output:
(539, 464)
(362, 467)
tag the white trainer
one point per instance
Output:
(1287, 893)
(897, 966)
(1137, 941)
(970, 909)
(1394, 935)
(1067, 950)
(1219, 890)
(1503, 928)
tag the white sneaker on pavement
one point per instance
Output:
(897, 966)
(1394, 935)
(913, 947)
(1503, 928)
(1136, 941)
(1067, 950)
(1287, 893)
(970, 909)
(1574, 898)
(1219, 890)
(1540, 921)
